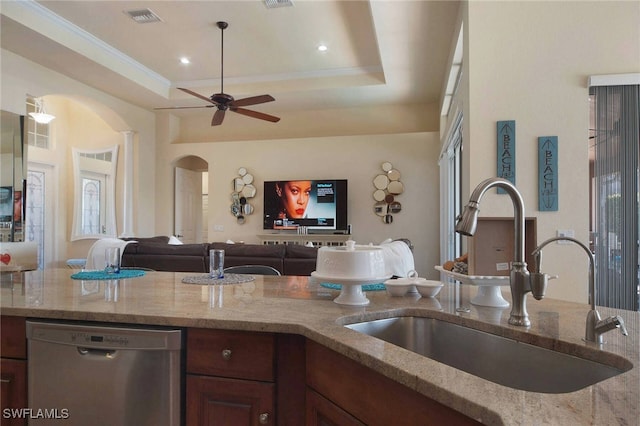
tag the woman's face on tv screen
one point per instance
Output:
(295, 197)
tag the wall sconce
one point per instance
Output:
(41, 116)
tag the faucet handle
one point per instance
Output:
(539, 281)
(619, 323)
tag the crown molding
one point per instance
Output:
(35, 16)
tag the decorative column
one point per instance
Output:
(127, 205)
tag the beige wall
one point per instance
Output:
(529, 62)
(89, 116)
(80, 109)
(356, 158)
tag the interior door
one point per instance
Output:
(188, 205)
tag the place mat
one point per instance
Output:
(365, 287)
(101, 275)
(227, 279)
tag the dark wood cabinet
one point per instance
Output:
(230, 378)
(236, 378)
(367, 395)
(322, 412)
(13, 368)
(220, 401)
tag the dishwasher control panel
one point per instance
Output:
(100, 339)
(104, 336)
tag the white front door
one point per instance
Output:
(40, 226)
(188, 205)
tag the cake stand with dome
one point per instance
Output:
(351, 266)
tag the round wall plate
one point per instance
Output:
(249, 191)
(381, 209)
(379, 195)
(238, 184)
(396, 187)
(381, 181)
(394, 174)
(395, 207)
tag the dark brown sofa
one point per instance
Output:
(154, 253)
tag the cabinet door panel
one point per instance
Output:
(371, 397)
(322, 412)
(229, 402)
(13, 337)
(13, 378)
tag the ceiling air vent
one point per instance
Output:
(143, 16)
(272, 4)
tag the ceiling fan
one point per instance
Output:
(223, 101)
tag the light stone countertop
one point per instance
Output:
(295, 305)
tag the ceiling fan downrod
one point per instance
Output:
(222, 25)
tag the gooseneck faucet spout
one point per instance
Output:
(519, 277)
(595, 327)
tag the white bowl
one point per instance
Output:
(351, 262)
(399, 286)
(428, 288)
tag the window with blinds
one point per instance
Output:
(614, 149)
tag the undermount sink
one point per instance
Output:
(495, 358)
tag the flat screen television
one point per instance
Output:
(314, 204)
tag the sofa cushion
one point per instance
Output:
(167, 249)
(297, 251)
(157, 239)
(166, 263)
(250, 250)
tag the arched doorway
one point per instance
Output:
(83, 124)
(191, 199)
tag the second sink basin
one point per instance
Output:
(495, 358)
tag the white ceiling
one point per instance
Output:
(379, 52)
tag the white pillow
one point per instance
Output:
(174, 241)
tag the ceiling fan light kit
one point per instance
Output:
(223, 101)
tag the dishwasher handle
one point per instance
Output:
(106, 353)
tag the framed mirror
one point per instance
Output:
(12, 178)
(94, 204)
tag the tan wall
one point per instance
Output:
(356, 158)
(80, 110)
(529, 62)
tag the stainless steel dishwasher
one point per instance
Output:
(103, 375)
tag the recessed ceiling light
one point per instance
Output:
(322, 48)
(185, 60)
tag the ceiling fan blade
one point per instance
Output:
(186, 107)
(253, 100)
(217, 118)
(256, 114)
(197, 95)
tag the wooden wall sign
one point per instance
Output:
(548, 173)
(506, 138)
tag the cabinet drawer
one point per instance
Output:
(13, 337)
(229, 402)
(241, 355)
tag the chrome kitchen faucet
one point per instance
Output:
(519, 279)
(595, 327)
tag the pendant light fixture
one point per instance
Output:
(41, 116)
